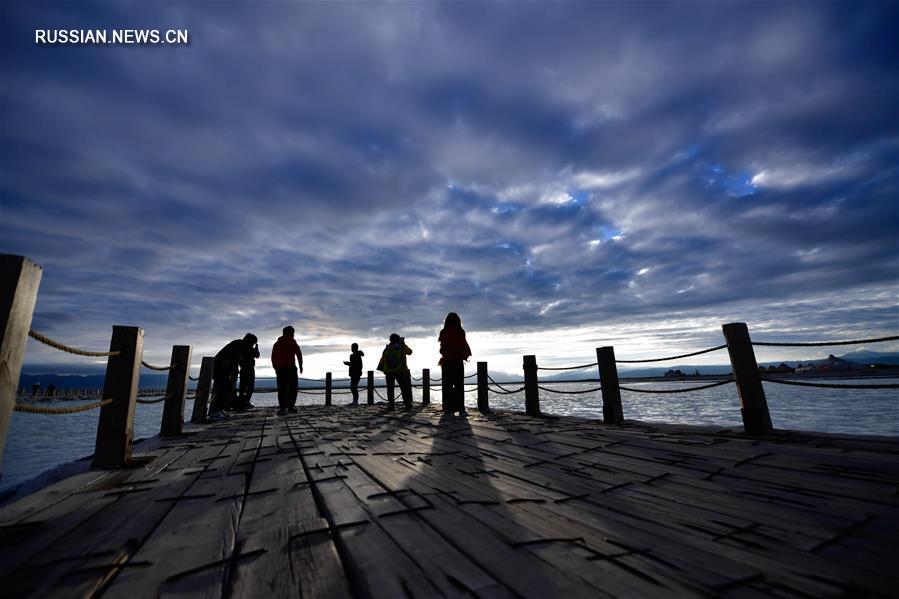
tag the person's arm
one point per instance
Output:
(300, 358)
(407, 349)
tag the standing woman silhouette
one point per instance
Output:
(454, 351)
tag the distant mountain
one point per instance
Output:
(865, 357)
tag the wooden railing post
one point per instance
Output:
(612, 412)
(371, 387)
(19, 281)
(114, 430)
(175, 392)
(204, 385)
(753, 405)
(426, 386)
(483, 400)
(327, 388)
(531, 394)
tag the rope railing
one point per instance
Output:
(695, 353)
(826, 343)
(152, 367)
(593, 390)
(832, 385)
(701, 387)
(72, 350)
(193, 378)
(32, 409)
(152, 401)
(490, 378)
(508, 391)
(566, 367)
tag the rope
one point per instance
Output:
(718, 384)
(470, 390)
(830, 385)
(566, 367)
(151, 367)
(470, 375)
(826, 343)
(569, 392)
(508, 391)
(30, 409)
(78, 352)
(416, 378)
(378, 393)
(152, 401)
(193, 378)
(490, 378)
(696, 353)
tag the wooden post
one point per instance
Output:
(371, 387)
(483, 400)
(531, 394)
(204, 384)
(327, 388)
(612, 413)
(175, 392)
(19, 280)
(426, 386)
(114, 430)
(753, 405)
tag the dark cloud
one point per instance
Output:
(359, 168)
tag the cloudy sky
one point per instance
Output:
(563, 175)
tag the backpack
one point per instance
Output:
(393, 360)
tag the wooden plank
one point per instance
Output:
(193, 547)
(116, 510)
(438, 563)
(280, 518)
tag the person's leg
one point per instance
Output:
(460, 388)
(251, 387)
(281, 378)
(219, 390)
(406, 388)
(354, 388)
(454, 376)
(294, 382)
(446, 392)
(391, 381)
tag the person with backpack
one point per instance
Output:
(454, 352)
(393, 365)
(355, 365)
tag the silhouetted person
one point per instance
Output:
(224, 374)
(247, 379)
(51, 390)
(454, 351)
(355, 365)
(34, 389)
(393, 365)
(283, 354)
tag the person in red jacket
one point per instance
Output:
(454, 351)
(283, 354)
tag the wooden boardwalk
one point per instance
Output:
(334, 502)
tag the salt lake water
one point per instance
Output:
(36, 442)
